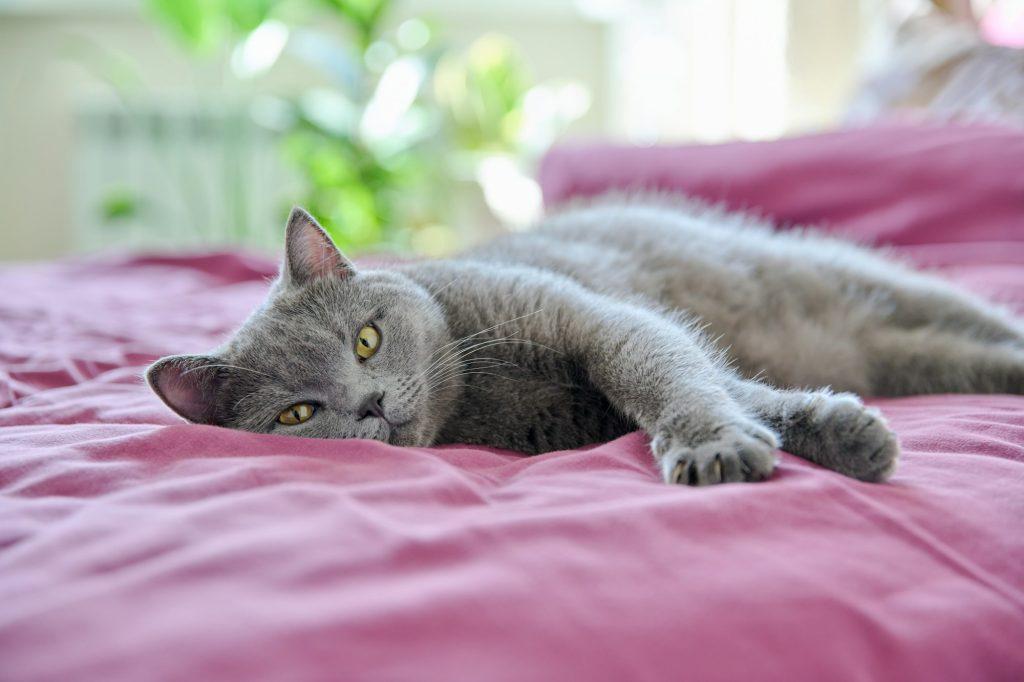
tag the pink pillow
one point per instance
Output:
(894, 184)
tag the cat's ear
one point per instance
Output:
(309, 251)
(188, 385)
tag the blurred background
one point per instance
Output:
(417, 125)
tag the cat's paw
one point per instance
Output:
(846, 436)
(738, 451)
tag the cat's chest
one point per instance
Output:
(532, 412)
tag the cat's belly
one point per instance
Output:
(533, 416)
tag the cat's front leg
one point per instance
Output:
(705, 452)
(657, 370)
(662, 373)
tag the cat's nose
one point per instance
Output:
(371, 405)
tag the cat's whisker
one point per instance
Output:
(453, 352)
(482, 331)
(440, 362)
(475, 348)
(463, 352)
(500, 376)
(475, 362)
(243, 399)
(453, 281)
(480, 372)
(244, 369)
(510, 341)
(500, 324)
(454, 358)
(456, 353)
(456, 369)
(455, 372)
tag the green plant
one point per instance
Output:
(203, 25)
(402, 122)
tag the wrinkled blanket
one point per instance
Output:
(134, 546)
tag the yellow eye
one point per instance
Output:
(296, 414)
(367, 342)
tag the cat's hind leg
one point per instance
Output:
(925, 302)
(834, 430)
(930, 360)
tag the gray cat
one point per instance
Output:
(694, 324)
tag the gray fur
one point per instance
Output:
(697, 325)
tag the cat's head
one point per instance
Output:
(332, 353)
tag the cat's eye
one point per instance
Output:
(296, 414)
(367, 342)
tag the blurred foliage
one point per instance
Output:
(383, 145)
(204, 24)
(482, 90)
(120, 204)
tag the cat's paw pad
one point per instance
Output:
(742, 451)
(855, 440)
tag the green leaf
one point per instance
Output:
(483, 91)
(198, 23)
(246, 15)
(119, 204)
(365, 15)
(328, 168)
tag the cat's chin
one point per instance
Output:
(408, 434)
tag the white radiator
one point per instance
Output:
(178, 176)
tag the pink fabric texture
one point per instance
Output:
(897, 184)
(134, 546)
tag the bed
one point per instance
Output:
(134, 546)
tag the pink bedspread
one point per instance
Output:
(136, 547)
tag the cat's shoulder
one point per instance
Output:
(473, 273)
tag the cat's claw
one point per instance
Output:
(684, 473)
(737, 452)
